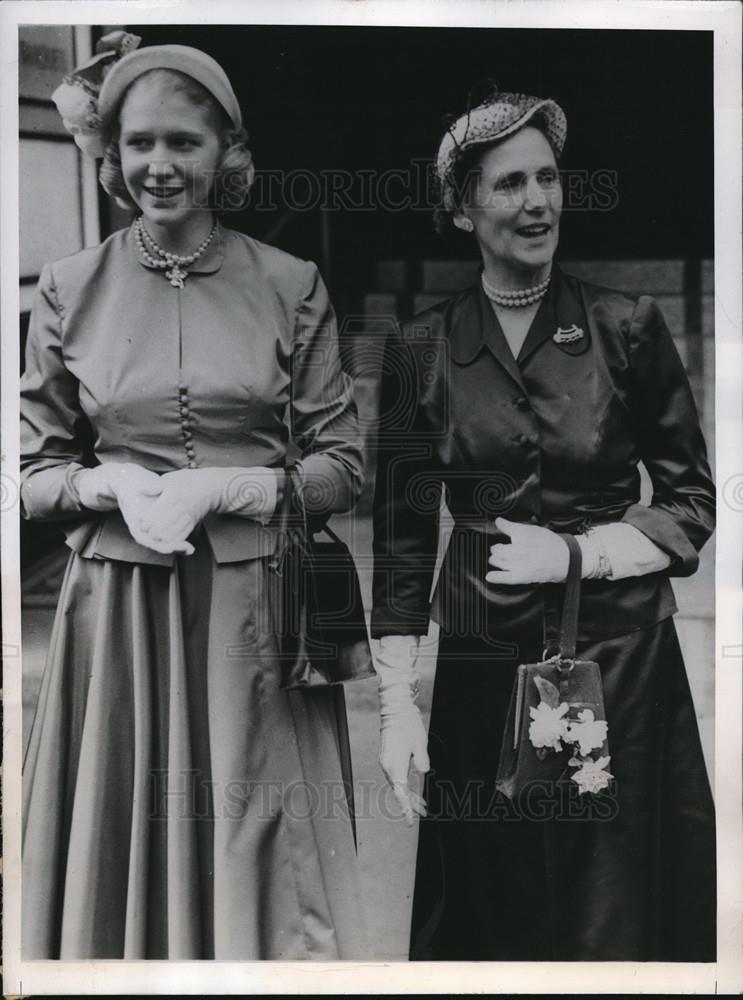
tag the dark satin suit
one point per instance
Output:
(554, 438)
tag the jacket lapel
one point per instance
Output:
(474, 327)
(560, 310)
(541, 329)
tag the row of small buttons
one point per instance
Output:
(186, 431)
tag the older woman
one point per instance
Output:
(172, 786)
(532, 397)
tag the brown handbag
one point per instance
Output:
(316, 604)
(560, 680)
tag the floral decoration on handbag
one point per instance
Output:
(556, 728)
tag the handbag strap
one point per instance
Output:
(291, 527)
(571, 600)
(291, 502)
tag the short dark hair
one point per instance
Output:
(450, 193)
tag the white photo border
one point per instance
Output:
(723, 19)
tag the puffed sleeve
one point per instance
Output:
(51, 450)
(406, 500)
(324, 419)
(681, 516)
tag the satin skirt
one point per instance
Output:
(177, 803)
(626, 875)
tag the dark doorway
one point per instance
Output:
(363, 107)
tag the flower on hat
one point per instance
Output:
(588, 732)
(592, 775)
(76, 97)
(73, 102)
(79, 111)
(91, 144)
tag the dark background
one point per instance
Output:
(316, 98)
(638, 103)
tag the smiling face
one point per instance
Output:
(514, 204)
(170, 149)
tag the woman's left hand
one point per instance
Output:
(535, 555)
(187, 496)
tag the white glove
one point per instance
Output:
(538, 555)
(129, 488)
(402, 733)
(619, 550)
(188, 495)
(535, 555)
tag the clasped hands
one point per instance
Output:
(535, 555)
(161, 511)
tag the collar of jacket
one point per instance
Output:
(474, 325)
(210, 262)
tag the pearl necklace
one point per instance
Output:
(172, 263)
(517, 299)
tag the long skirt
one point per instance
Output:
(177, 803)
(628, 874)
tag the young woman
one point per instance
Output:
(173, 789)
(532, 398)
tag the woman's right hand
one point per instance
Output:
(402, 732)
(99, 488)
(132, 490)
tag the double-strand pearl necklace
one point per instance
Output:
(517, 299)
(172, 263)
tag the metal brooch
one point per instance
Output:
(568, 335)
(176, 276)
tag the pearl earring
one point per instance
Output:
(467, 225)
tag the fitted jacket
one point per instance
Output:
(221, 373)
(553, 438)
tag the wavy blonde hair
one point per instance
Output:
(235, 170)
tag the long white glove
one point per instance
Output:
(534, 555)
(402, 733)
(188, 495)
(619, 550)
(538, 555)
(129, 488)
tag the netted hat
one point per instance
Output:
(498, 117)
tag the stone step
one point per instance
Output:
(636, 277)
(398, 306)
(708, 276)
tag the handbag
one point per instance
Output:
(554, 700)
(316, 604)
